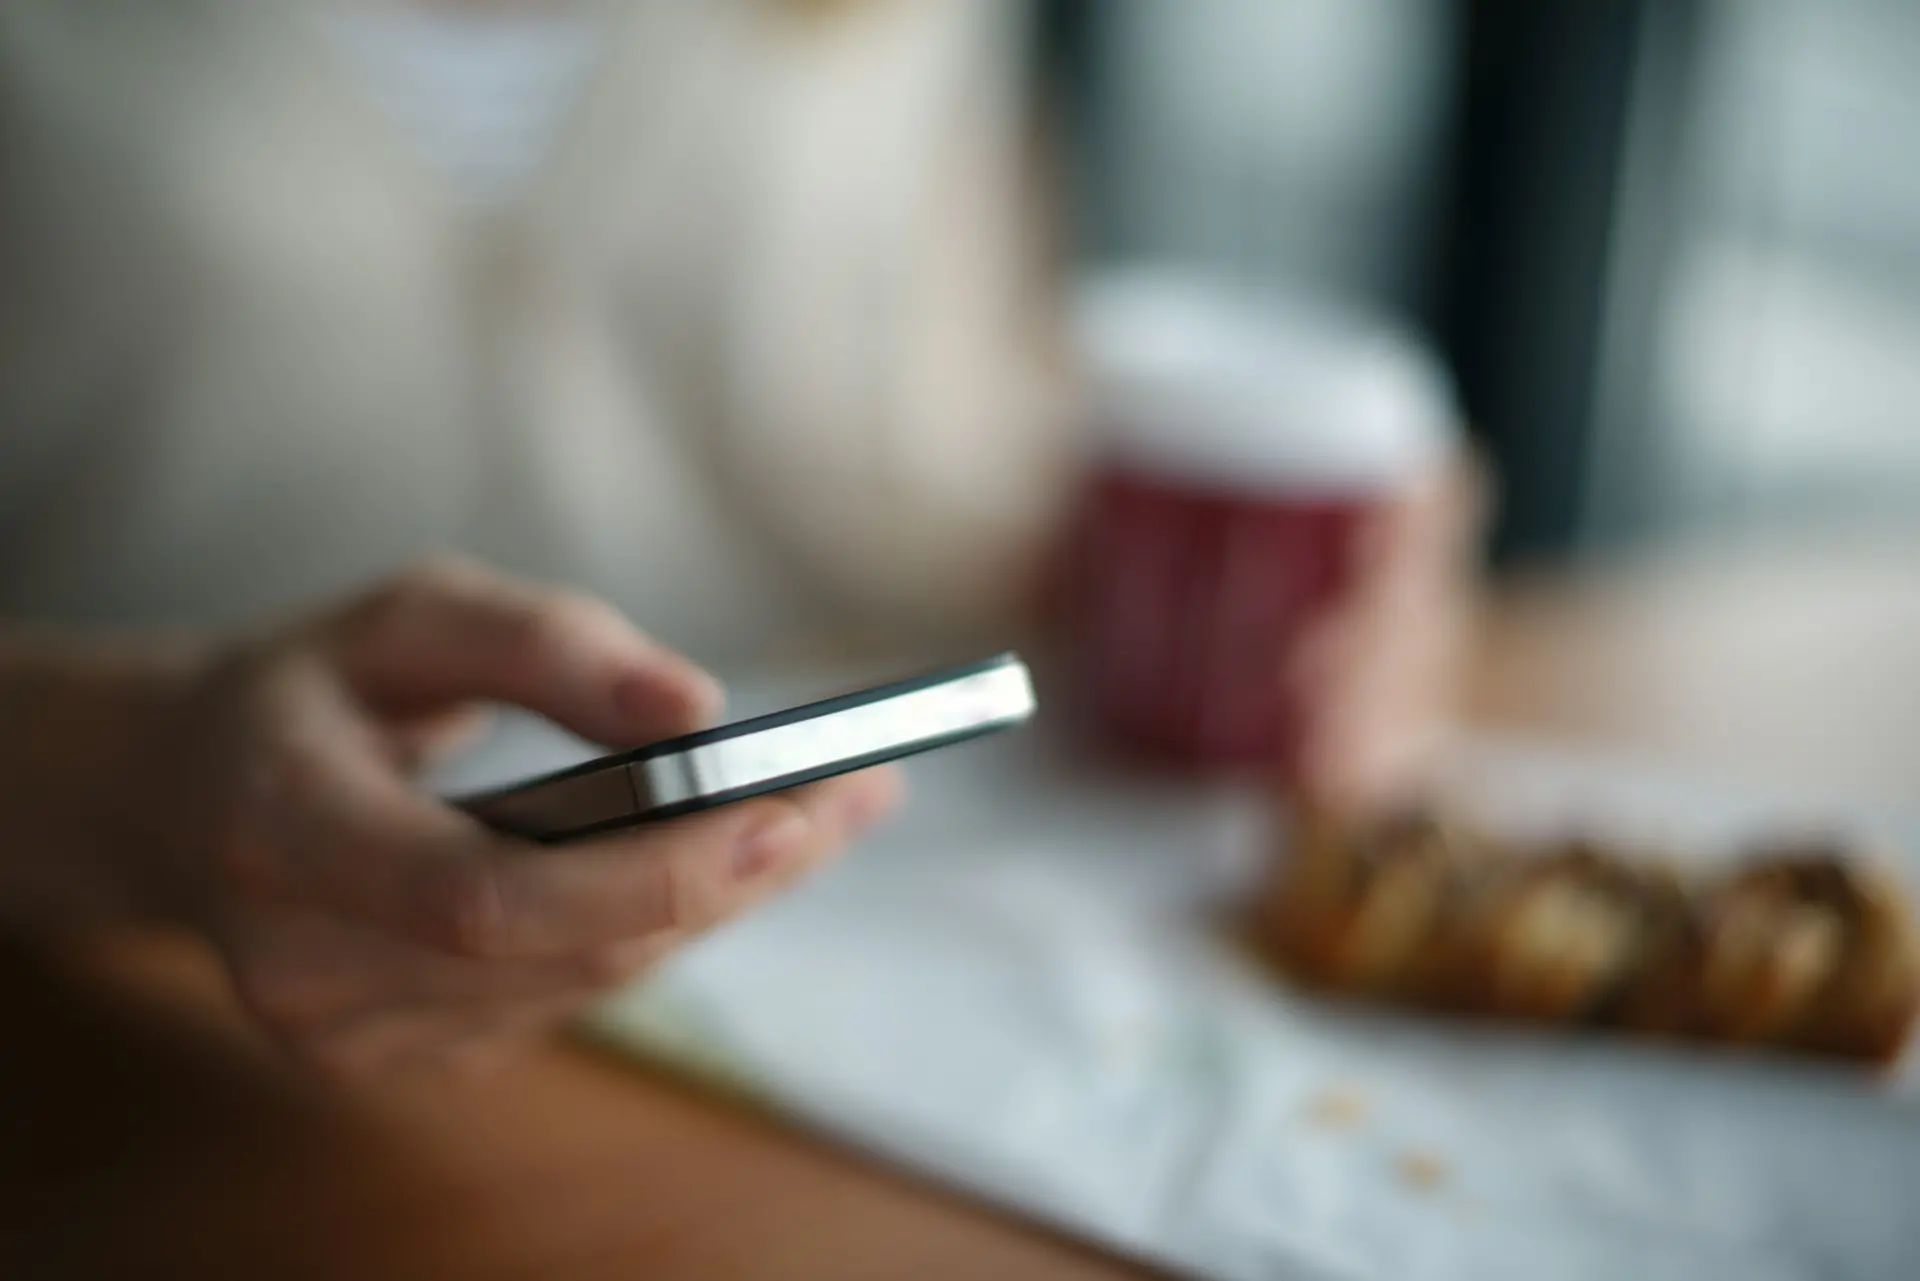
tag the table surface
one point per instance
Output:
(142, 1131)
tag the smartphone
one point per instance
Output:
(716, 767)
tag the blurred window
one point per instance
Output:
(1671, 246)
(1787, 377)
(1292, 142)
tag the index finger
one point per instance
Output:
(448, 632)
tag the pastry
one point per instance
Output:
(1808, 948)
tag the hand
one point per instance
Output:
(1377, 679)
(368, 925)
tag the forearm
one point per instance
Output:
(84, 752)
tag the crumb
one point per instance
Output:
(1338, 1109)
(1422, 1171)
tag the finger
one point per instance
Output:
(1428, 531)
(353, 835)
(449, 632)
(1383, 636)
(305, 969)
(1382, 684)
(419, 740)
(678, 878)
(478, 1042)
(462, 1042)
(334, 824)
(1371, 732)
(373, 1046)
(1374, 775)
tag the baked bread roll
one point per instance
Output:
(1811, 949)
(1364, 902)
(1552, 936)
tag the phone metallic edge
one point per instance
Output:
(715, 767)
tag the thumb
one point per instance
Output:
(446, 633)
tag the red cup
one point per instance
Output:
(1241, 450)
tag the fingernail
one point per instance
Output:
(768, 843)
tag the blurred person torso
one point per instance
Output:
(718, 308)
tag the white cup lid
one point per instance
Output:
(1195, 378)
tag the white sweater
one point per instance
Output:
(759, 344)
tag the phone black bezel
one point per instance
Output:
(753, 725)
